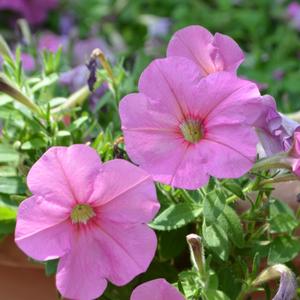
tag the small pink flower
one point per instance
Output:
(182, 128)
(212, 53)
(158, 289)
(90, 215)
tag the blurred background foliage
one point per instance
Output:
(267, 30)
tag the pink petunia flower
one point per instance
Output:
(158, 289)
(182, 128)
(85, 212)
(212, 53)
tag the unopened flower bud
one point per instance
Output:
(288, 285)
(197, 251)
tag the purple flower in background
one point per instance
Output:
(35, 11)
(293, 13)
(66, 24)
(28, 62)
(83, 49)
(278, 74)
(76, 78)
(275, 130)
(51, 42)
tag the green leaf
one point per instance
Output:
(35, 143)
(7, 219)
(176, 216)
(283, 249)
(213, 206)
(12, 185)
(234, 188)
(216, 240)
(282, 218)
(8, 154)
(230, 222)
(51, 267)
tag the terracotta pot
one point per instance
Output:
(21, 279)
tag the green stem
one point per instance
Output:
(77, 98)
(280, 178)
(247, 189)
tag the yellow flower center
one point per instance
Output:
(191, 130)
(81, 213)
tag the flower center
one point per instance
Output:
(191, 130)
(81, 213)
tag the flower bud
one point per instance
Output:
(288, 285)
(197, 251)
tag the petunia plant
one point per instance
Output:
(161, 189)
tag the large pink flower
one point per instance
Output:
(212, 53)
(90, 215)
(182, 128)
(158, 289)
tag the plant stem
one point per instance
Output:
(77, 98)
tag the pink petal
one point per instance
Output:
(230, 52)
(125, 193)
(191, 171)
(150, 137)
(195, 43)
(173, 82)
(220, 90)
(80, 273)
(231, 150)
(42, 229)
(158, 289)
(127, 250)
(65, 174)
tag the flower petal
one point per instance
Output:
(173, 82)
(65, 174)
(231, 150)
(220, 90)
(230, 52)
(191, 172)
(195, 43)
(124, 193)
(150, 137)
(127, 250)
(158, 289)
(80, 273)
(42, 229)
